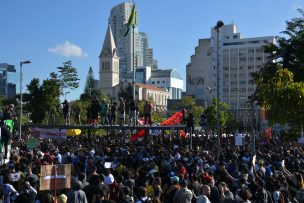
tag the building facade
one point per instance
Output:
(238, 58)
(169, 80)
(118, 20)
(7, 81)
(108, 64)
(145, 92)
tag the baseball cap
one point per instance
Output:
(175, 179)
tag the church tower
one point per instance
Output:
(108, 65)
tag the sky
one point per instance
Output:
(49, 33)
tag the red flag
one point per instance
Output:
(139, 134)
(173, 120)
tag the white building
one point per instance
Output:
(238, 58)
(145, 92)
(169, 80)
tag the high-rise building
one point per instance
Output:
(143, 55)
(118, 20)
(7, 81)
(108, 64)
(238, 58)
(155, 64)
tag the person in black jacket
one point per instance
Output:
(189, 123)
(6, 134)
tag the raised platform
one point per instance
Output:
(114, 127)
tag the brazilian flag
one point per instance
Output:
(9, 123)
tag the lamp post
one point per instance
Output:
(21, 74)
(66, 94)
(219, 24)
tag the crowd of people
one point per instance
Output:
(109, 113)
(163, 168)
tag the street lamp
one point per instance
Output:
(21, 74)
(219, 24)
(66, 94)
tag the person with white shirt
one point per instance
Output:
(203, 198)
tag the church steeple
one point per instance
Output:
(109, 47)
(108, 65)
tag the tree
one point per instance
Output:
(287, 52)
(283, 97)
(280, 81)
(89, 88)
(68, 76)
(189, 103)
(42, 100)
(211, 114)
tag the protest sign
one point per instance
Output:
(32, 143)
(55, 177)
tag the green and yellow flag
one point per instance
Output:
(132, 20)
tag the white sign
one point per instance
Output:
(108, 165)
(49, 133)
(155, 132)
(239, 140)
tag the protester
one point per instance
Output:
(104, 112)
(66, 112)
(77, 195)
(121, 112)
(77, 115)
(94, 111)
(113, 109)
(147, 112)
(133, 112)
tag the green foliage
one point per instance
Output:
(280, 81)
(89, 88)
(284, 98)
(189, 103)
(211, 114)
(42, 100)
(68, 76)
(126, 93)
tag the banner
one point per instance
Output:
(49, 133)
(173, 120)
(55, 174)
(32, 143)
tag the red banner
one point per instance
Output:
(173, 120)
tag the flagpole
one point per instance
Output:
(133, 26)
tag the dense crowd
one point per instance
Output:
(160, 168)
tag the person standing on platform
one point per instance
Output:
(77, 115)
(104, 112)
(6, 134)
(121, 112)
(133, 113)
(66, 112)
(113, 109)
(94, 111)
(147, 112)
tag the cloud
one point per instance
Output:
(68, 49)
